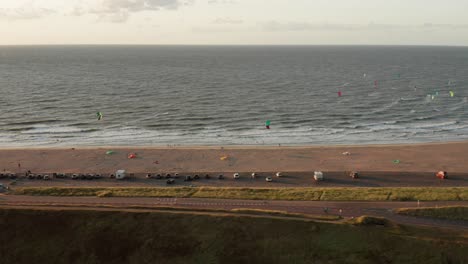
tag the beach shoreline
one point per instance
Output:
(281, 146)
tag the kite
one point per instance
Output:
(267, 124)
(451, 93)
(109, 152)
(396, 161)
(224, 158)
(340, 93)
(99, 115)
(132, 156)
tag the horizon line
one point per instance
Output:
(231, 45)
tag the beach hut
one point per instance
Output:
(120, 174)
(318, 175)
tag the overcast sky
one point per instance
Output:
(314, 22)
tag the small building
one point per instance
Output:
(120, 174)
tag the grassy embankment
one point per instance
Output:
(449, 212)
(71, 236)
(309, 194)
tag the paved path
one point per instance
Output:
(348, 209)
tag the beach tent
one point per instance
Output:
(120, 174)
(318, 175)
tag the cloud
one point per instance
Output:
(227, 20)
(24, 13)
(305, 26)
(118, 11)
(445, 26)
(214, 2)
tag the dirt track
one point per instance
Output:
(348, 209)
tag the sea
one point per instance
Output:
(224, 95)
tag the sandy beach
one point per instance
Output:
(416, 165)
(452, 157)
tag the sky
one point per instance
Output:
(234, 22)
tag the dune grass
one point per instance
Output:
(81, 236)
(299, 194)
(448, 212)
(285, 214)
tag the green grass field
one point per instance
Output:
(449, 212)
(305, 194)
(72, 236)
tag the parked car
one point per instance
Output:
(170, 181)
(236, 176)
(354, 175)
(269, 179)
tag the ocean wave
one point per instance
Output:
(57, 129)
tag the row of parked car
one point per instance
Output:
(8, 176)
(170, 177)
